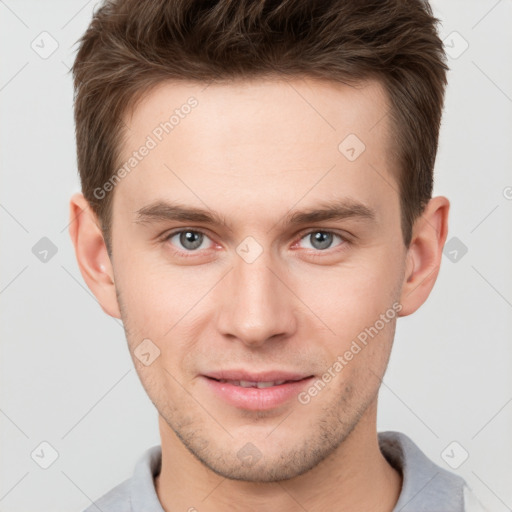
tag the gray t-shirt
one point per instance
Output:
(426, 487)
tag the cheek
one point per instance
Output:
(156, 295)
(169, 306)
(348, 297)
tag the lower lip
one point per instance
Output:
(256, 399)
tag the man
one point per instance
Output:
(257, 209)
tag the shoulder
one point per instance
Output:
(471, 502)
(135, 493)
(426, 486)
(115, 500)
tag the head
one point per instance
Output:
(257, 197)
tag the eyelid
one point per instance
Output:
(179, 229)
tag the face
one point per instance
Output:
(256, 242)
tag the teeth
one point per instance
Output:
(265, 384)
(251, 384)
(246, 384)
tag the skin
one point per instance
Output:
(254, 151)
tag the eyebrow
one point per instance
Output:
(328, 210)
(163, 211)
(332, 210)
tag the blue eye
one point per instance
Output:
(321, 240)
(189, 239)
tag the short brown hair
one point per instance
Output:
(132, 45)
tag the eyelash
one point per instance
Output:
(313, 252)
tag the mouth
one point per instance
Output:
(256, 391)
(255, 384)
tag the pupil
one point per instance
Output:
(191, 239)
(322, 240)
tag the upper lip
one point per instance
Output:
(266, 376)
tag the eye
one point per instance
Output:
(190, 240)
(321, 240)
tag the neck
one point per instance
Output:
(356, 476)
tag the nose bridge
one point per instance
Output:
(256, 304)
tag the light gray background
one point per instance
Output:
(66, 375)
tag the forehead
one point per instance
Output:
(265, 140)
(273, 106)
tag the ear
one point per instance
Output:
(424, 254)
(91, 254)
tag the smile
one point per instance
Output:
(256, 393)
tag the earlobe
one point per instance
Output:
(91, 254)
(424, 255)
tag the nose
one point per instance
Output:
(256, 304)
